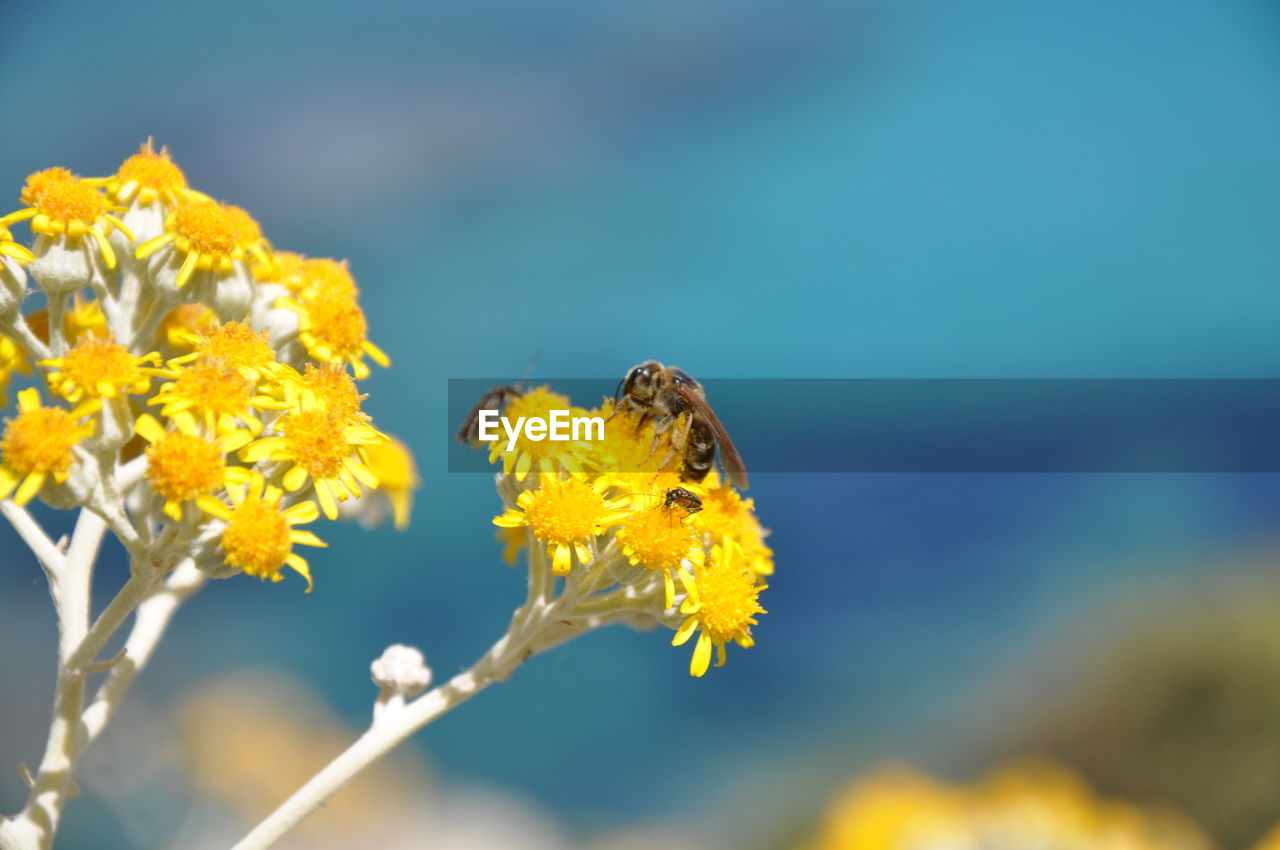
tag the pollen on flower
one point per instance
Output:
(211, 235)
(147, 176)
(334, 389)
(256, 539)
(334, 330)
(40, 440)
(97, 367)
(547, 456)
(183, 466)
(239, 346)
(69, 202)
(655, 537)
(317, 441)
(565, 514)
(723, 601)
(38, 181)
(218, 391)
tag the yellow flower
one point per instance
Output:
(319, 279)
(332, 388)
(630, 447)
(186, 323)
(392, 464)
(214, 393)
(566, 515)
(37, 444)
(38, 181)
(334, 330)
(260, 534)
(183, 466)
(323, 448)
(212, 236)
(149, 176)
(235, 344)
(544, 456)
(9, 248)
(656, 538)
(722, 602)
(61, 204)
(726, 515)
(98, 367)
(13, 358)
(513, 541)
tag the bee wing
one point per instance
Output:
(729, 457)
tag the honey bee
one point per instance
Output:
(494, 399)
(654, 391)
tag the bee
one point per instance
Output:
(494, 399)
(654, 391)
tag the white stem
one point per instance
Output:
(50, 557)
(35, 826)
(149, 624)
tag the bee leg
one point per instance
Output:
(662, 427)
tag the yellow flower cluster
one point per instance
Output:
(599, 511)
(1021, 807)
(209, 381)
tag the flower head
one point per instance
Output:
(37, 445)
(61, 204)
(182, 466)
(392, 464)
(726, 515)
(213, 393)
(657, 538)
(211, 237)
(334, 330)
(98, 367)
(322, 448)
(235, 344)
(722, 603)
(149, 176)
(259, 536)
(566, 515)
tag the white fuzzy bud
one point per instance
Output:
(233, 294)
(402, 670)
(62, 265)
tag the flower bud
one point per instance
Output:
(61, 265)
(402, 670)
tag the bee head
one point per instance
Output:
(641, 381)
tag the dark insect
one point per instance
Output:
(683, 499)
(494, 399)
(654, 391)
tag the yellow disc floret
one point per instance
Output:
(38, 181)
(722, 601)
(324, 448)
(565, 514)
(212, 392)
(37, 444)
(334, 330)
(238, 346)
(98, 367)
(61, 204)
(149, 176)
(259, 535)
(212, 236)
(656, 538)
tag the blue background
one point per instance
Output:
(747, 189)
